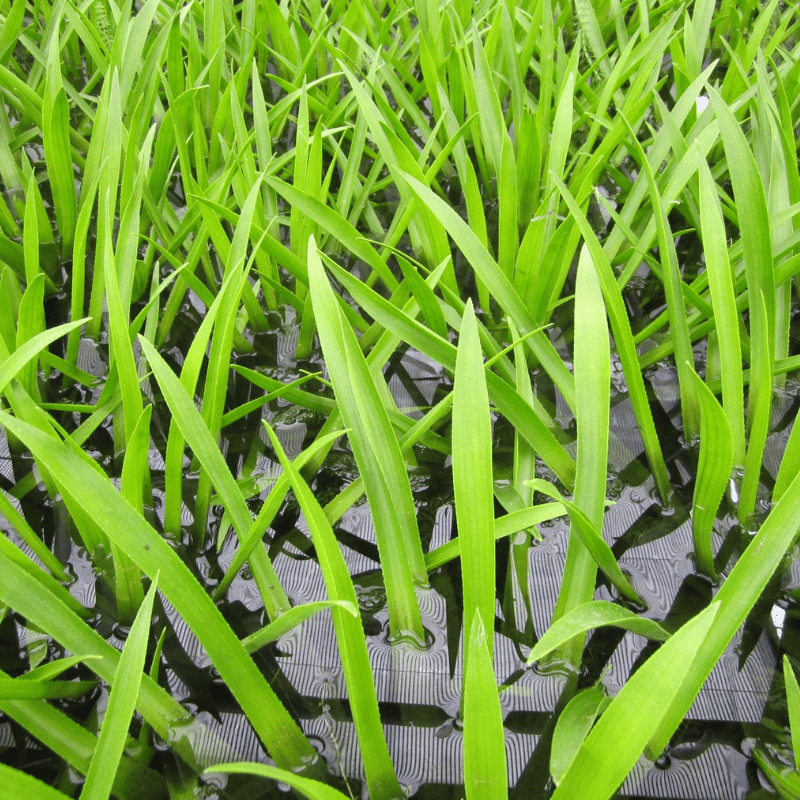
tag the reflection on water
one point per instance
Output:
(419, 687)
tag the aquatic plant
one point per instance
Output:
(525, 194)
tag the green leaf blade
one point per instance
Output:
(472, 477)
(485, 775)
(377, 453)
(632, 716)
(121, 704)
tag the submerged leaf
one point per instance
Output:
(785, 781)
(574, 723)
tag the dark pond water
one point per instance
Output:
(419, 691)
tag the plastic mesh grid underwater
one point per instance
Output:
(418, 693)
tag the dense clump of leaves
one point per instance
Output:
(490, 184)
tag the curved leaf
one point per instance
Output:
(574, 723)
(151, 552)
(290, 620)
(618, 739)
(592, 541)
(588, 616)
(12, 364)
(313, 790)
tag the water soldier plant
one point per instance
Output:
(224, 229)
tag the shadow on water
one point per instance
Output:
(419, 690)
